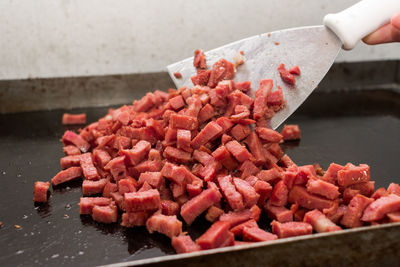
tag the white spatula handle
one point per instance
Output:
(359, 20)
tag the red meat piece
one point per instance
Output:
(238, 229)
(105, 214)
(237, 217)
(394, 189)
(184, 244)
(295, 70)
(176, 174)
(221, 70)
(183, 140)
(269, 135)
(142, 201)
(232, 196)
(275, 99)
(348, 194)
(394, 216)
(70, 161)
(148, 166)
(73, 118)
(223, 156)
(289, 229)
(101, 157)
(240, 132)
(67, 175)
(201, 78)
(117, 168)
(127, 185)
(353, 175)
(93, 187)
(380, 192)
(271, 176)
(322, 188)
(260, 99)
(291, 132)
(224, 123)
(238, 151)
(211, 131)
(279, 195)
(320, 222)
(243, 86)
(380, 207)
(138, 218)
(331, 173)
(71, 150)
(249, 194)
(281, 214)
(70, 137)
(40, 191)
(255, 234)
(206, 113)
(88, 168)
(248, 168)
(203, 157)
(109, 188)
(86, 204)
(167, 225)
(213, 213)
(177, 155)
(199, 60)
(264, 189)
(300, 195)
(179, 121)
(218, 235)
(197, 205)
(352, 215)
(285, 75)
(138, 153)
(366, 189)
(169, 207)
(154, 179)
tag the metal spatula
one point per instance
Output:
(313, 49)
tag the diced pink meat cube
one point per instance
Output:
(71, 150)
(264, 189)
(117, 168)
(331, 173)
(199, 60)
(176, 174)
(138, 153)
(238, 229)
(68, 119)
(93, 187)
(203, 157)
(88, 168)
(353, 175)
(206, 113)
(238, 151)
(154, 179)
(291, 132)
(394, 216)
(218, 235)
(177, 102)
(322, 188)
(138, 218)
(240, 132)
(286, 76)
(255, 234)
(256, 149)
(127, 185)
(289, 229)
(248, 168)
(184, 244)
(352, 215)
(394, 189)
(197, 205)
(260, 99)
(40, 191)
(221, 70)
(70, 137)
(109, 188)
(300, 195)
(380, 192)
(269, 135)
(222, 155)
(177, 155)
(281, 214)
(249, 194)
(271, 176)
(211, 131)
(213, 213)
(86, 204)
(232, 196)
(366, 188)
(380, 207)
(167, 225)
(142, 201)
(237, 217)
(279, 194)
(105, 214)
(320, 222)
(295, 70)
(169, 207)
(67, 175)
(102, 157)
(179, 121)
(183, 140)
(70, 161)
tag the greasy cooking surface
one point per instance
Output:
(358, 127)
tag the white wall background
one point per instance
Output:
(59, 38)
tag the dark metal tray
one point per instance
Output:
(354, 126)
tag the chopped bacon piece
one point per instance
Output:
(322, 188)
(127, 185)
(394, 216)
(71, 150)
(281, 214)
(197, 205)
(380, 192)
(269, 135)
(154, 179)
(243, 86)
(249, 194)
(295, 70)
(138, 153)
(279, 194)
(138, 218)
(70, 161)
(117, 168)
(142, 201)
(167, 225)
(291, 132)
(271, 176)
(240, 132)
(211, 131)
(264, 189)
(178, 75)
(232, 196)
(300, 195)
(289, 229)
(175, 173)
(213, 213)
(255, 234)
(176, 155)
(169, 207)
(380, 207)
(203, 157)
(331, 173)
(105, 214)
(201, 78)
(93, 187)
(179, 121)
(353, 175)
(88, 168)
(67, 175)
(238, 229)
(320, 222)
(237, 217)
(73, 118)
(222, 155)
(40, 191)
(348, 194)
(352, 215)
(177, 102)
(286, 76)
(248, 168)
(394, 189)
(199, 60)
(70, 137)
(260, 99)
(218, 235)
(238, 151)
(221, 70)
(206, 113)
(109, 188)
(86, 204)
(366, 188)
(101, 157)
(184, 244)
(224, 123)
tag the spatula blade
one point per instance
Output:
(313, 49)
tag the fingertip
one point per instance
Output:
(395, 21)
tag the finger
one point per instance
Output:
(385, 34)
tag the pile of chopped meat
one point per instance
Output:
(173, 157)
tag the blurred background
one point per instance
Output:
(68, 38)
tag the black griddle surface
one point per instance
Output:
(358, 127)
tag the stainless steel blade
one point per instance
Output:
(313, 49)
